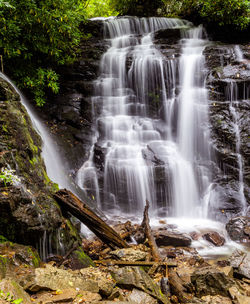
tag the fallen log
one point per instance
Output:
(151, 240)
(69, 202)
(169, 263)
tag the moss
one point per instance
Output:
(3, 266)
(3, 239)
(72, 229)
(35, 257)
(84, 258)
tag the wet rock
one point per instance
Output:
(165, 288)
(238, 229)
(129, 254)
(20, 255)
(99, 157)
(211, 281)
(54, 278)
(135, 277)
(194, 235)
(165, 238)
(240, 261)
(28, 214)
(215, 238)
(167, 36)
(14, 290)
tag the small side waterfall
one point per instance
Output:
(55, 167)
(53, 163)
(233, 96)
(156, 155)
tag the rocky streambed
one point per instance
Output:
(127, 275)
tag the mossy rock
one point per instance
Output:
(29, 214)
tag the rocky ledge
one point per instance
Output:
(28, 212)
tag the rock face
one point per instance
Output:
(69, 113)
(28, 214)
(240, 261)
(239, 229)
(135, 277)
(228, 84)
(210, 281)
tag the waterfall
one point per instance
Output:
(233, 96)
(238, 53)
(155, 155)
(53, 162)
(55, 167)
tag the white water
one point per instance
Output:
(238, 53)
(55, 167)
(133, 75)
(232, 95)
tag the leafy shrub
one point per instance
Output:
(7, 176)
(35, 37)
(8, 298)
(219, 12)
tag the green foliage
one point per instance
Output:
(100, 8)
(35, 37)
(227, 12)
(3, 239)
(8, 298)
(7, 176)
(234, 13)
(136, 7)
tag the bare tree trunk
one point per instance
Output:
(151, 240)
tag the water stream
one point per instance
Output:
(233, 96)
(155, 156)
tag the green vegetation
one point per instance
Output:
(101, 8)
(234, 13)
(8, 298)
(35, 37)
(7, 176)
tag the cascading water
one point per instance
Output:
(232, 95)
(155, 156)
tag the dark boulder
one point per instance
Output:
(166, 238)
(211, 281)
(238, 229)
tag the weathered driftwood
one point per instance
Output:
(151, 240)
(69, 202)
(168, 263)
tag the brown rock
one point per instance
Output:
(211, 281)
(214, 238)
(216, 300)
(194, 235)
(166, 238)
